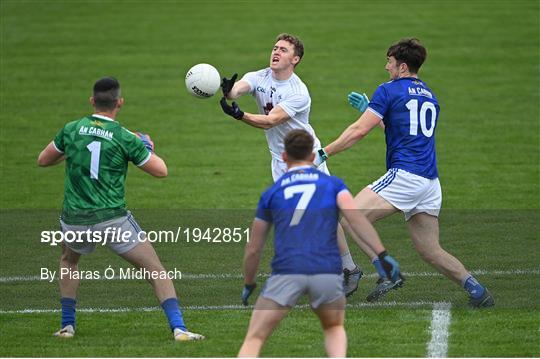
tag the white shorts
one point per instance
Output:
(279, 167)
(409, 193)
(122, 224)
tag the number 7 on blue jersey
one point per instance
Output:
(307, 191)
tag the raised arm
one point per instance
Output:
(239, 89)
(232, 90)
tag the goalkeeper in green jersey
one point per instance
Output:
(97, 150)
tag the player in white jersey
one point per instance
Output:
(409, 112)
(293, 98)
(284, 103)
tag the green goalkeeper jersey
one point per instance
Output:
(97, 151)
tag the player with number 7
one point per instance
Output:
(303, 206)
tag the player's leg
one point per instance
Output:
(424, 229)
(332, 317)
(351, 272)
(280, 293)
(69, 283)
(327, 301)
(68, 291)
(141, 254)
(265, 317)
(144, 256)
(374, 207)
(69, 262)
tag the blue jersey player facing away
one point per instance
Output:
(304, 205)
(408, 111)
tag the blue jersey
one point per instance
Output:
(409, 110)
(302, 205)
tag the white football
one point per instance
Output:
(203, 80)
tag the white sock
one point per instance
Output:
(347, 261)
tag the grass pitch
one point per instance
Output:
(483, 64)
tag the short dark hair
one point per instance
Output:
(298, 145)
(409, 51)
(106, 93)
(295, 41)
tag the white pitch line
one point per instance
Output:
(440, 324)
(36, 278)
(215, 307)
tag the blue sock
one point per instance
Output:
(68, 311)
(378, 266)
(471, 285)
(174, 313)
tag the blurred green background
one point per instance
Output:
(483, 64)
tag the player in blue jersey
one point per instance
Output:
(408, 111)
(304, 205)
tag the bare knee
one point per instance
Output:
(332, 326)
(373, 215)
(334, 329)
(432, 255)
(332, 317)
(256, 335)
(262, 333)
(69, 258)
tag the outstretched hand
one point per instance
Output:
(358, 101)
(231, 110)
(228, 84)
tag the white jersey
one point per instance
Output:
(292, 96)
